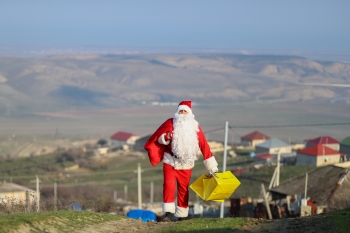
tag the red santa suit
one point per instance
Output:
(178, 156)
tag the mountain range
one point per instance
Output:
(103, 81)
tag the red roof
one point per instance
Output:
(265, 156)
(318, 150)
(256, 135)
(322, 140)
(122, 136)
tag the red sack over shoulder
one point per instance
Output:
(154, 148)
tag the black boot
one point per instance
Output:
(168, 217)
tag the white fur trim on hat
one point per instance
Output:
(184, 107)
(210, 163)
(169, 207)
(181, 212)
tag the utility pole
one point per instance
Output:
(278, 168)
(266, 201)
(151, 194)
(139, 185)
(306, 177)
(224, 167)
(115, 195)
(37, 194)
(125, 192)
(139, 189)
(55, 196)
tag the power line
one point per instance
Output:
(213, 130)
(295, 125)
(275, 126)
(84, 174)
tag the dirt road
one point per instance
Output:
(127, 226)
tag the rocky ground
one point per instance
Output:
(311, 224)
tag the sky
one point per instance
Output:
(310, 25)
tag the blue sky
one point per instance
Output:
(322, 25)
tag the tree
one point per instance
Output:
(102, 142)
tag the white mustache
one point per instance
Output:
(183, 117)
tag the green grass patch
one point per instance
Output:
(340, 219)
(65, 221)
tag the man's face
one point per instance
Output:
(183, 112)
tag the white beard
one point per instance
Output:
(185, 139)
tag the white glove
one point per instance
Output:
(213, 170)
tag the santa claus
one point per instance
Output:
(176, 143)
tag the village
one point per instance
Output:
(322, 189)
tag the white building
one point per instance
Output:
(123, 139)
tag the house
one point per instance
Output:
(15, 194)
(323, 140)
(102, 150)
(297, 146)
(140, 142)
(317, 155)
(123, 139)
(289, 158)
(273, 146)
(328, 186)
(345, 148)
(264, 158)
(254, 138)
(217, 146)
(271, 159)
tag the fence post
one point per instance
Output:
(55, 196)
(28, 201)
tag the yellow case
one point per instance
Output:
(217, 187)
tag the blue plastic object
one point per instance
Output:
(75, 206)
(145, 215)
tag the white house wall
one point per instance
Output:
(132, 140)
(275, 150)
(257, 142)
(310, 160)
(328, 159)
(252, 143)
(286, 149)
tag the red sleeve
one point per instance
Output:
(203, 144)
(154, 148)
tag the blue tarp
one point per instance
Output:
(145, 215)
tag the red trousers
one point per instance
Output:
(173, 178)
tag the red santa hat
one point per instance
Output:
(185, 105)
